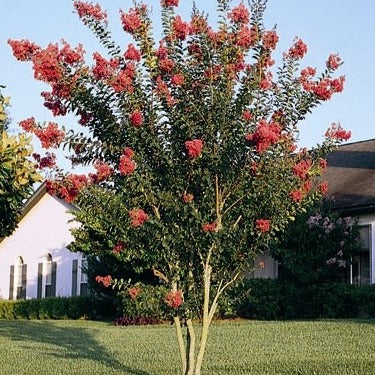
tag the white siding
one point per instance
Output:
(44, 229)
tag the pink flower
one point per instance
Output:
(209, 227)
(128, 152)
(51, 136)
(131, 21)
(188, 198)
(105, 280)
(174, 299)
(245, 38)
(336, 132)
(136, 118)
(323, 187)
(239, 14)
(298, 50)
(120, 246)
(194, 147)
(132, 53)
(263, 225)
(302, 168)
(126, 165)
(178, 79)
(296, 195)
(265, 135)
(28, 125)
(270, 39)
(23, 50)
(137, 217)
(89, 10)
(181, 29)
(333, 62)
(133, 292)
(169, 3)
(166, 65)
(246, 115)
(103, 172)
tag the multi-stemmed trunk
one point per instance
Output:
(192, 350)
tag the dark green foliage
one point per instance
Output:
(56, 308)
(274, 299)
(149, 303)
(317, 247)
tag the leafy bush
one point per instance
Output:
(144, 301)
(276, 299)
(136, 321)
(56, 308)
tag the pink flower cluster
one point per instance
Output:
(103, 172)
(169, 3)
(69, 187)
(132, 53)
(298, 50)
(137, 217)
(239, 14)
(270, 39)
(133, 292)
(131, 21)
(336, 132)
(89, 10)
(265, 135)
(119, 247)
(136, 118)
(209, 227)
(127, 165)
(263, 225)
(302, 168)
(194, 147)
(174, 299)
(47, 161)
(105, 280)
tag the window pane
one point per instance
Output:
(83, 271)
(19, 275)
(49, 273)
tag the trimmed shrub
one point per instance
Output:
(274, 299)
(56, 308)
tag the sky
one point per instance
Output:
(327, 26)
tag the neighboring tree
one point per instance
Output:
(17, 173)
(317, 247)
(194, 146)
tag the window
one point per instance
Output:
(360, 269)
(83, 284)
(50, 277)
(21, 279)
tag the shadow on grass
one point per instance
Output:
(64, 342)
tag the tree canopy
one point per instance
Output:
(194, 143)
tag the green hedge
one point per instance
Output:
(274, 299)
(57, 308)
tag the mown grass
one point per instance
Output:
(235, 348)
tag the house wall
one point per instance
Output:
(44, 230)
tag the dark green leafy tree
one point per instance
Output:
(17, 172)
(194, 144)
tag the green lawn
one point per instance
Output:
(243, 347)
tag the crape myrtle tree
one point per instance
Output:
(17, 172)
(193, 141)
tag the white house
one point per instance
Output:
(34, 260)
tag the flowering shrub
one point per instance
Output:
(317, 248)
(194, 142)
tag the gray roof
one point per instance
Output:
(351, 176)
